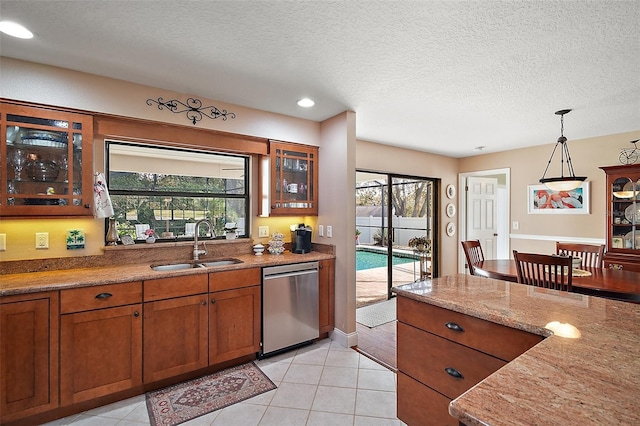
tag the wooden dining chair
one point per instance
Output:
(473, 253)
(544, 270)
(592, 255)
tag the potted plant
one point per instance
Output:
(357, 235)
(151, 235)
(230, 231)
(420, 244)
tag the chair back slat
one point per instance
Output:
(473, 253)
(592, 255)
(543, 270)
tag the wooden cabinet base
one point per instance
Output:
(419, 405)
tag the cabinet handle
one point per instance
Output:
(104, 296)
(203, 303)
(136, 314)
(213, 300)
(454, 373)
(453, 326)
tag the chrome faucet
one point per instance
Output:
(197, 252)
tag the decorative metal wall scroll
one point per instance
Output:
(193, 109)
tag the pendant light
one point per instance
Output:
(562, 183)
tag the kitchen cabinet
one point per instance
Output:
(326, 282)
(28, 355)
(175, 326)
(623, 217)
(441, 354)
(234, 314)
(46, 167)
(293, 183)
(100, 341)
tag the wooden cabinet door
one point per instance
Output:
(47, 162)
(100, 352)
(327, 295)
(234, 324)
(28, 355)
(175, 336)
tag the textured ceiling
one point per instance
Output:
(437, 76)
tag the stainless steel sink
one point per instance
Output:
(176, 266)
(220, 262)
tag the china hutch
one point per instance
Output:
(45, 154)
(623, 217)
(293, 183)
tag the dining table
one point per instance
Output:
(602, 282)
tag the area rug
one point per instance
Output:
(377, 314)
(185, 401)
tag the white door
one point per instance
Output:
(482, 213)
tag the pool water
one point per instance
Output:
(368, 260)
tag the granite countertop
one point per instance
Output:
(590, 380)
(33, 282)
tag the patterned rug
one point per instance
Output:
(185, 401)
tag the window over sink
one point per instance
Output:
(168, 189)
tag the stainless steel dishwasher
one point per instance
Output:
(290, 298)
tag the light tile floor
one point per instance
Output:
(318, 385)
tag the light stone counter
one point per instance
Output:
(591, 380)
(32, 282)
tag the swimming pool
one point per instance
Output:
(369, 260)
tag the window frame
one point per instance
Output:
(108, 142)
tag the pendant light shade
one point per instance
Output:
(562, 182)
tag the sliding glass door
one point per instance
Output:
(391, 210)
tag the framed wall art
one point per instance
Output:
(542, 200)
(451, 191)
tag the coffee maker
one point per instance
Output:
(300, 238)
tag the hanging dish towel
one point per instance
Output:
(102, 206)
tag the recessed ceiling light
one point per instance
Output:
(15, 30)
(306, 103)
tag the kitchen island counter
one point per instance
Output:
(593, 379)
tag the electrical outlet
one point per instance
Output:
(42, 240)
(321, 230)
(515, 225)
(3, 242)
(329, 231)
(263, 231)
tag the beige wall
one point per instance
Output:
(337, 209)
(383, 158)
(538, 233)
(43, 84)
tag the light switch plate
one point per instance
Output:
(263, 231)
(321, 230)
(329, 231)
(3, 242)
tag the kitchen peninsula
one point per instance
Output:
(591, 379)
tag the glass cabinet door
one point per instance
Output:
(47, 162)
(293, 179)
(625, 226)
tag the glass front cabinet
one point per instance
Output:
(293, 180)
(45, 162)
(623, 217)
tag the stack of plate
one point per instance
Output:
(45, 138)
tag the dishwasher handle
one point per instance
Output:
(291, 274)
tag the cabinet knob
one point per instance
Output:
(453, 326)
(104, 295)
(203, 303)
(87, 206)
(213, 300)
(136, 314)
(454, 373)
